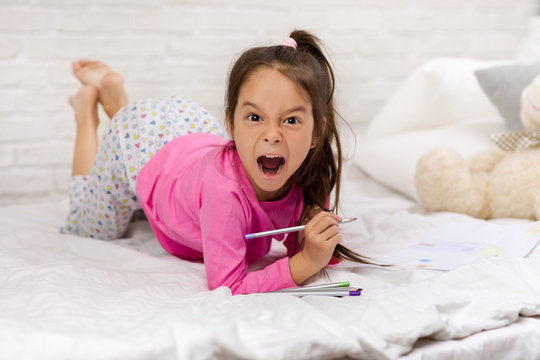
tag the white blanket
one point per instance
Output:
(64, 297)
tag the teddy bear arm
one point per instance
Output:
(486, 160)
(444, 182)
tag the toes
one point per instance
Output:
(90, 72)
(84, 62)
(75, 65)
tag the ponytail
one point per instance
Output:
(322, 169)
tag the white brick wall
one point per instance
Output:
(186, 46)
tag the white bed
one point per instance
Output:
(64, 297)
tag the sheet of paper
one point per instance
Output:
(456, 244)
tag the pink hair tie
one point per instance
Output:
(289, 42)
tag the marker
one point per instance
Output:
(340, 284)
(329, 292)
(288, 230)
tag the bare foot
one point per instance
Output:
(110, 84)
(84, 104)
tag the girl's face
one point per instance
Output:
(273, 131)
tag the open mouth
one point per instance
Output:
(270, 164)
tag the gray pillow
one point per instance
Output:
(503, 86)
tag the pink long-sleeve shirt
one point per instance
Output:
(200, 204)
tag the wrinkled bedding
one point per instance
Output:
(64, 297)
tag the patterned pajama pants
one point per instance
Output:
(103, 202)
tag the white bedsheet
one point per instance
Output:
(64, 297)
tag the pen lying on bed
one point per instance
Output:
(340, 284)
(288, 230)
(333, 289)
(325, 292)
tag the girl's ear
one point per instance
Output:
(315, 139)
(228, 123)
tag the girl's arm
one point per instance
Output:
(224, 249)
(321, 237)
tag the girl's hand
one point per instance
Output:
(321, 237)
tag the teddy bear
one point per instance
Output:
(496, 183)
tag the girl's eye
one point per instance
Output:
(291, 121)
(254, 117)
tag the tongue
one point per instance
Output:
(270, 163)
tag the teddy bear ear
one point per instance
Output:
(530, 104)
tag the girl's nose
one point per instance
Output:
(272, 135)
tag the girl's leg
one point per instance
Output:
(101, 202)
(84, 105)
(110, 84)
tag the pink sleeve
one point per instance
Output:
(222, 229)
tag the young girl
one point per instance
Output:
(201, 193)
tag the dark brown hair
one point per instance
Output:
(306, 66)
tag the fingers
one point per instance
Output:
(321, 237)
(332, 234)
(324, 220)
(324, 226)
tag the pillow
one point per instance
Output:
(529, 49)
(391, 160)
(503, 86)
(440, 92)
(439, 104)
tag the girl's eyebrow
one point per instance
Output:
(299, 108)
(248, 103)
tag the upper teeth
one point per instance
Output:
(272, 156)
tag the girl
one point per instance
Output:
(202, 193)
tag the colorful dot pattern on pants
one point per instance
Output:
(103, 202)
